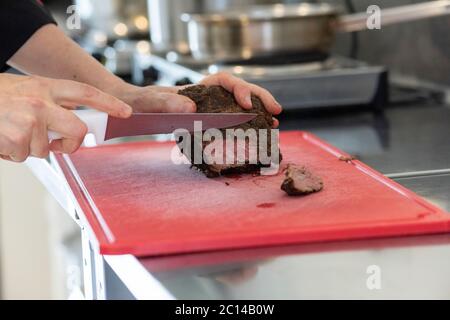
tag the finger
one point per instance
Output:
(72, 94)
(267, 99)
(39, 146)
(6, 146)
(243, 96)
(239, 88)
(20, 146)
(276, 123)
(71, 128)
(177, 103)
(7, 158)
(166, 102)
(65, 145)
(15, 141)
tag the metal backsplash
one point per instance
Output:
(418, 49)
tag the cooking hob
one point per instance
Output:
(332, 81)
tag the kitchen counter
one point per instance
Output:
(401, 139)
(411, 267)
(436, 188)
(410, 144)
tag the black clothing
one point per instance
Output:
(19, 20)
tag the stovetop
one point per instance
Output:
(277, 66)
(324, 68)
(267, 60)
(334, 81)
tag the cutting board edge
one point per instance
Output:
(412, 228)
(378, 176)
(440, 225)
(83, 202)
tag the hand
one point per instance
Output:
(30, 106)
(166, 99)
(69, 61)
(243, 90)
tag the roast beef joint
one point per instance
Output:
(244, 156)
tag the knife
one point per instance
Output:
(104, 127)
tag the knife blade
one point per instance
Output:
(106, 128)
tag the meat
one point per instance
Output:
(300, 181)
(216, 99)
(347, 159)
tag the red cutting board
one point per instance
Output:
(138, 202)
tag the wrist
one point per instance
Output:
(119, 89)
(113, 85)
(126, 92)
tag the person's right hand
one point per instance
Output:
(31, 106)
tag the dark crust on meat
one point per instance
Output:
(300, 181)
(347, 158)
(215, 99)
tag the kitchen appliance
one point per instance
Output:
(113, 31)
(137, 201)
(169, 33)
(331, 82)
(115, 19)
(280, 29)
(104, 127)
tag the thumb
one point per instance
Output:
(167, 102)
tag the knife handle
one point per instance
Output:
(95, 121)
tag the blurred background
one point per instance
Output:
(146, 42)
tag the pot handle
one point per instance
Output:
(358, 21)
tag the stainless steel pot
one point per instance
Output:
(115, 18)
(267, 30)
(169, 33)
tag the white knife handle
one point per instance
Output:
(95, 121)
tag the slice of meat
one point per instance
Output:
(347, 159)
(300, 181)
(216, 99)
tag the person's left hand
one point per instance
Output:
(166, 99)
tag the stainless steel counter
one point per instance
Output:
(436, 189)
(410, 267)
(401, 139)
(404, 139)
(410, 143)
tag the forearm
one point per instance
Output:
(50, 53)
